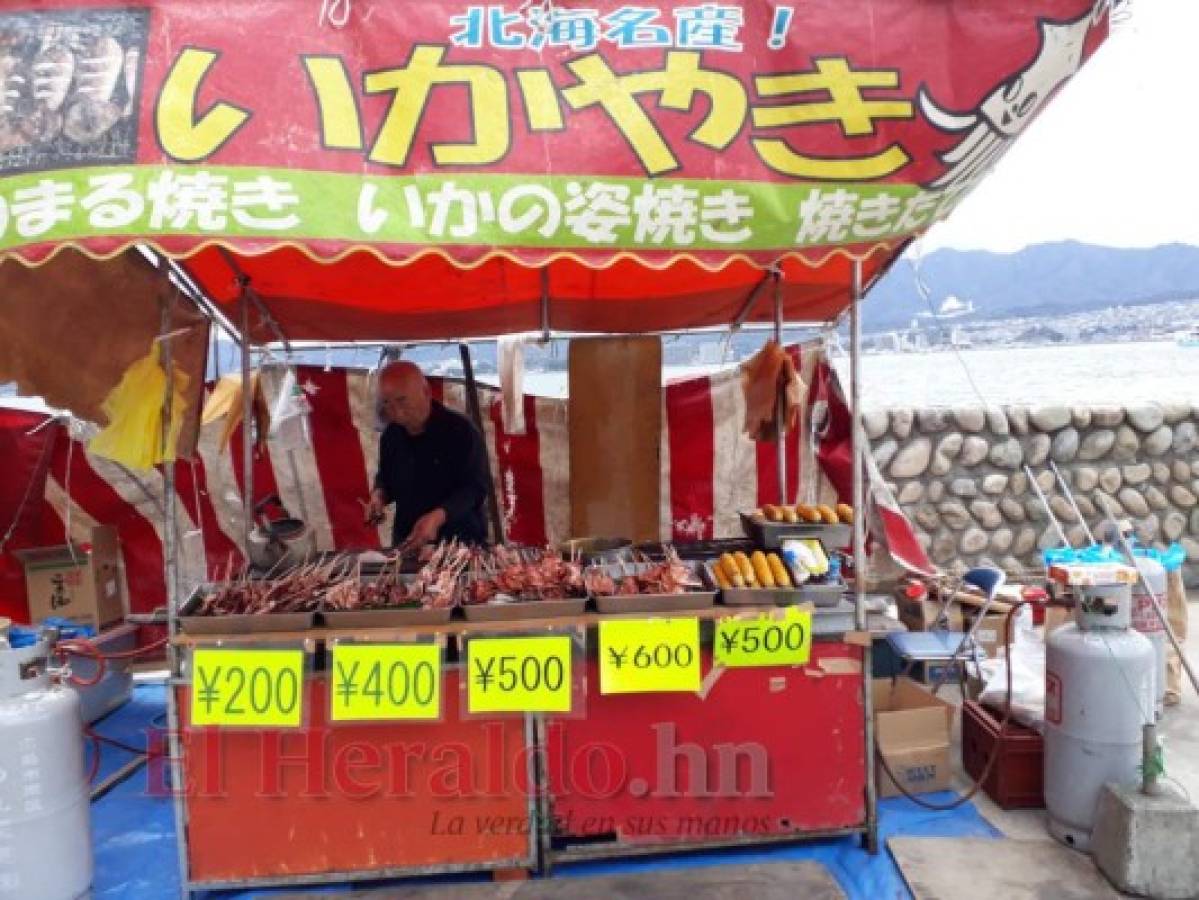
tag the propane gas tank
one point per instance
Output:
(1098, 695)
(1145, 620)
(45, 836)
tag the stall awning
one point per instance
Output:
(413, 171)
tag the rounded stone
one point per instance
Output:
(913, 459)
(970, 418)
(1186, 437)
(875, 422)
(945, 547)
(1096, 444)
(912, 492)
(1001, 540)
(1195, 467)
(1181, 470)
(1161, 472)
(1050, 418)
(1133, 502)
(1077, 536)
(1065, 445)
(1137, 474)
(926, 517)
(1173, 525)
(936, 490)
(1147, 529)
(954, 514)
(1011, 565)
(1081, 416)
(1085, 478)
(963, 487)
(987, 513)
(1176, 412)
(1106, 416)
(995, 483)
(1127, 443)
(1019, 483)
(925, 541)
(1049, 538)
(950, 445)
(940, 465)
(1017, 417)
(1106, 505)
(1146, 417)
(1062, 510)
(1007, 454)
(1039, 446)
(932, 420)
(1183, 496)
(1191, 546)
(974, 451)
(1194, 523)
(884, 452)
(1025, 542)
(1012, 508)
(1085, 506)
(1159, 441)
(1110, 480)
(1156, 499)
(1047, 482)
(1034, 510)
(996, 421)
(974, 540)
(901, 422)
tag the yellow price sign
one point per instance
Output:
(640, 656)
(519, 674)
(385, 682)
(783, 638)
(248, 688)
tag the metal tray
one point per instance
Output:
(806, 592)
(263, 623)
(648, 603)
(524, 609)
(770, 535)
(386, 618)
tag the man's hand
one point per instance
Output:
(425, 530)
(373, 511)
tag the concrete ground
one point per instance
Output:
(1179, 729)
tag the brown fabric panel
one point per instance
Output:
(70, 328)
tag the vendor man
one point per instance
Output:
(432, 465)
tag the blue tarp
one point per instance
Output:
(136, 856)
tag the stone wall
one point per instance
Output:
(958, 474)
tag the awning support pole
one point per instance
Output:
(476, 415)
(247, 419)
(545, 305)
(858, 447)
(780, 413)
(170, 542)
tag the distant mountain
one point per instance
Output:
(1044, 279)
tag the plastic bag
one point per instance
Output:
(1027, 658)
(133, 436)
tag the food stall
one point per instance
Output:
(411, 174)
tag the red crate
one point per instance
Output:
(1016, 780)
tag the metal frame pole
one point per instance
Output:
(858, 447)
(247, 427)
(780, 414)
(170, 562)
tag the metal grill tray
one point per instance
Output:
(386, 618)
(260, 623)
(770, 535)
(817, 594)
(524, 609)
(648, 603)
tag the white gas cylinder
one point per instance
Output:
(1146, 621)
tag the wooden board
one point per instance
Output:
(615, 412)
(953, 868)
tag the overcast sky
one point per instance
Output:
(1114, 160)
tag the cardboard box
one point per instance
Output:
(920, 614)
(76, 584)
(990, 633)
(912, 728)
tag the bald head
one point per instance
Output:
(404, 396)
